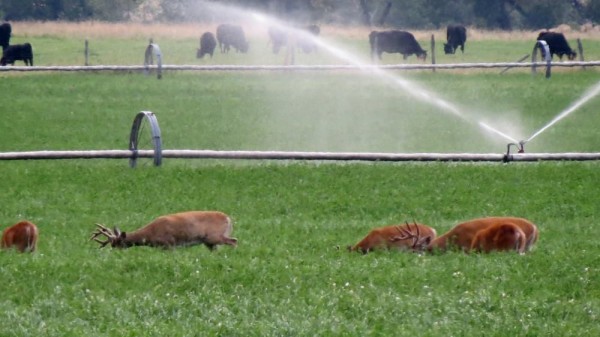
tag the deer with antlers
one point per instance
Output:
(405, 237)
(488, 234)
(22, 236)
(210, 228)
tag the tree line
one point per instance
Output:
(423, 14)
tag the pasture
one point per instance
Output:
(291, 274)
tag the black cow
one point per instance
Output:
(5, 30)
(456, 36)
(207, 45)
(558, 45)
(307, 44)
(17, 52)
(231, 35)
(395, 41)
(278, 38)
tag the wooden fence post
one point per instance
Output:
(86, 53)
(580, 49)
(433, 51)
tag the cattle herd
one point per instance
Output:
(230, 36)
(16, 52)
(387, 41)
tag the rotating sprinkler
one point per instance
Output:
(520, 146)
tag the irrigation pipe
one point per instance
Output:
(142, 68)
(322, 156)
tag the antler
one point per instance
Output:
(407, 233)
(102, 230)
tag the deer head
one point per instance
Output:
(116, 238)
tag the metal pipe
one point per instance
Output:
(296, 67)
(294, 155)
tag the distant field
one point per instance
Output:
(291, 274)
(63, 44)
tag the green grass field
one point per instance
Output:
(287, 276)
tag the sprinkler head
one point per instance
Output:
(521, 146)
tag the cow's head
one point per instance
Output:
(448, 49)
(572, 56)
(422, 55)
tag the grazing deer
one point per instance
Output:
(462, 235)
(210, 228)
(410, 237)
(22, 236)
(500, 236)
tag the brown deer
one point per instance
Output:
(210, 228)
(22, 236)
(500, 236)
(462, 235)
(409, 237)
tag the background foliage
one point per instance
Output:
(492, 14)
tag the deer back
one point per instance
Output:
(186, 228)
(22, 236)
(462, 235)
(396, 237)
(499, 237)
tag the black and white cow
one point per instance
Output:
(231, 36)
(455, 36)
(395, 41)
(5, 31)
(208, 43)
(558, 45)
(17, 52)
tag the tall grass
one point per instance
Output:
(287, 276)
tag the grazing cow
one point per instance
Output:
(231, 35)
(395, 41)
(306, 44)
(17, 52)
(456, 36)
(5, 31)
(207, 45)
(558, 45)
(278, 38)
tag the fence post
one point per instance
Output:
(86, 53)
(433, 51)
(580, 49)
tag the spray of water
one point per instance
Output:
(588, 95)
(408, 86)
